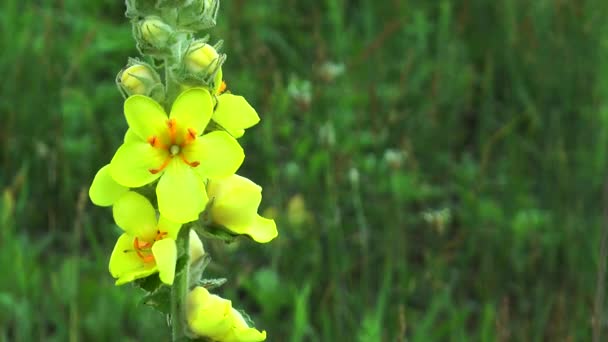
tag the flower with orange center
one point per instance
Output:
(147, 245)
(174, 149)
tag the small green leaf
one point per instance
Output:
(149, 284)
(217, 233)
(210, 284)
(197, 269)
(159, 299)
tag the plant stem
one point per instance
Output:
(170, 87)
(179, 290)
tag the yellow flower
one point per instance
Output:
(211, 316)
(147, 246)
(235, 202)
(173, 149)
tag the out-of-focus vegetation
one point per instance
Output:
(435, 168)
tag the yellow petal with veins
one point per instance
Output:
(145, 117)
(133, 161)
(180, 192)
(192, 109)
(218, 153)
(136, 216)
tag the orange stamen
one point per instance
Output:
(148, 258)
(155, 142)
(160, 235)
(191, 135)
(172, 129)
(138, 246)
(193, 164)
(162, 167)
(222, 88)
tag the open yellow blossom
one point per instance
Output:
(147, 245)
(213, 317)
(173, 149)
(234, 205)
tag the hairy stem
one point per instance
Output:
(179, 290)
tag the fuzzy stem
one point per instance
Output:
(171, 87)
(179, 290)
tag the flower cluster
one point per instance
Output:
(176, 168)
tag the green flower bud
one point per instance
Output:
(140, 79)
(155, 32)
(199, 15)
(201, 58)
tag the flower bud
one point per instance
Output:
(199, 15)
(201, 58)
(155, 32)
(140, 79)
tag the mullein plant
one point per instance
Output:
(174, 178)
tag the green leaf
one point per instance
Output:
(197, 269)
(159, 299)
(213, 283)
(217, 233)
(149, 284)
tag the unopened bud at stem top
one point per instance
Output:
(155, 32)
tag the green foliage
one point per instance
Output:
(434, 167)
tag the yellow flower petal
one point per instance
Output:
(145, 117)
(132, 163)
(105, 191)
(241, 332)
(192, 109)
(261, 230)
(165, 255)
(235, 201)
(131, 137)
(180, 192)
(208, 315)
(125, 264)
(136, 216)
(237, 133)
(219, 154)
(234, 114)
(168, 226)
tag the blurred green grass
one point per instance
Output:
(445, 185)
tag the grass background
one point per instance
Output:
(435, 169)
